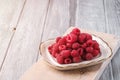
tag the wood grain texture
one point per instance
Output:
(112, 12)
(44, 19)
(116, 66)
(107, 73)
(24, 47)
(57, 20)
(9, 16)
(91, 14)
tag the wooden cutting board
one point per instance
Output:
(41, 71)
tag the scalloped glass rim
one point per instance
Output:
(105, 54)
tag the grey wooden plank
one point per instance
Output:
(107, 73)
(91, 15)
(10, 11)
(116, 66)
(72, 10)
(57, 20)
(112, 12)
(113, 26)
(24, 47)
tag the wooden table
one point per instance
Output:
(25, 23)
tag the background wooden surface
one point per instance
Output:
(25, 23)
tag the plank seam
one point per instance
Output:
(43, 27)
(116, 10)
(106, 24)
(12, 35)
(105, 15)
(72, 12)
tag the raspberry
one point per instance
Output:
(56, 54)
(71, 38)
(67, 61)
(98, 49)
(94, 41)
(90, 43)
(88, 36)
(89, 56)
(84, 45)
(55, 47)
(65, 53)
(74, 53)
(96, 45)
(82, 38)
(69, 49)
(50, 49)
(75, 45)
(95, 53)
(69, 45)
(80, 51)
(62, 41)
(76, 59)
(89, 49)
(62, 47)
(53, 53)
(60, 59)
(76, 31)
(57, 39)
(83, 56)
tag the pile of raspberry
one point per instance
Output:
(74, 47)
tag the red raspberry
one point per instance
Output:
(94, 41)
(53, 53)
(56, 54)
(88, 36)
(75, 45)
(83, 56)
(56, 47)
(89, 49)
(57, 39)
(90, 43)
(96, 45)
(50, 49)
(95, 53)
(82, 38)
(62, 41)
(84, 45)
(77, 59)
(69, 49)
(60, 59)
(80, 51)
(89, 56)
(62, 47)
(69, 45)
(65, 53)
(76, 31)
(71, 38)
(67, 61)
(98, 49)
(74, 53)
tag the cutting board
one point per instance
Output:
(41, 71)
